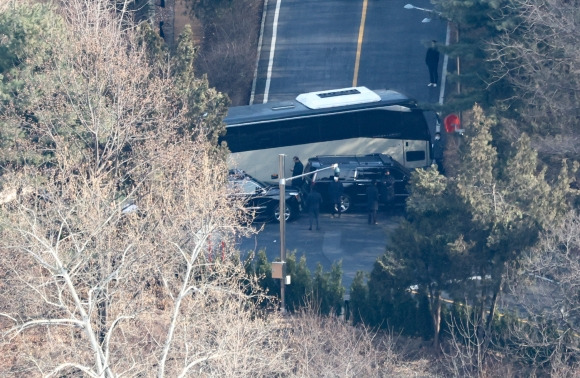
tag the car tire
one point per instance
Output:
(290, 213)
(345, 202)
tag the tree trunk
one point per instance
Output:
(435, 302)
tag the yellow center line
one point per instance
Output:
(361, 32)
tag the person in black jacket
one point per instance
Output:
(313, 201)
(438, 155)
(432, 61)
(373, 202)
(387, 190)
(297, 170)
(335, 191)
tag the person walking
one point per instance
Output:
(297, 170)
(335, 191)
(437, 147)
(313, 201)
(373, 202)
(432, 61)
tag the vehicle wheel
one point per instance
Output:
(289, 213)
(345, 202)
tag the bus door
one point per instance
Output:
(416, 153)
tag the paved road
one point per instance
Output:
(348, 238)
(316, 46)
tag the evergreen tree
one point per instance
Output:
(328, 291)
(462, 231)
(470, 74)
(262, 269)
(206, 106)
(359, 299)
(30, 32)
(509, 205)
(300, 291)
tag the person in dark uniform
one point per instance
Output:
(297, 170)
(387, 190)
(438, 149)
(335, 191)
(432, 61)
(373, 202)
(313, 201)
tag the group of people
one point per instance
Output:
(384, 190)
(377, 190)
(313, 199)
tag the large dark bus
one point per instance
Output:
(347, 121)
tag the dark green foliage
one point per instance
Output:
(208, 10)
(26, 32)
(324, 291)
(423, 323)
(155, 46)
(463, 227)
(206, 106)
(29, 33)
(262, 269)
(327, 289)
(384, 303)
(474, 24)
(299, 293)
(359, 299)
(390, 304)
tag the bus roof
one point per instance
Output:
(323, 102)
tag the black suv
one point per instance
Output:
(357, 172)
(263, 200)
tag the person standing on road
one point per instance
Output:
(432, 61)
(335, 191)
(297, 170)
(387, 190)
(313, 201)
(437, 148)
(373, 202)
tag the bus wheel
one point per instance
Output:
(345, 202)
(288, 213)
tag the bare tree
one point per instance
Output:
(118, 257)
(540, 58)
(545, 283)
(228, 54)
(467, 352)
(329, 347)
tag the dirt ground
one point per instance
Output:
(182, 19)
(230, 60)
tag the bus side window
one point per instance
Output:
(415, 155)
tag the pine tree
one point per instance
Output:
(461, 232)
(328, 292)
(300, 291)
(29, 33)
(359, 299)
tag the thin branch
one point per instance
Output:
(67, 365)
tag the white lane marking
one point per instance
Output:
(272, 49)
(253, 92)
(444, 69)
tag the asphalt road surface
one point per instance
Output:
(348, 238)
(327, 44)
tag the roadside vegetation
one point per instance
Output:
(117, 253)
